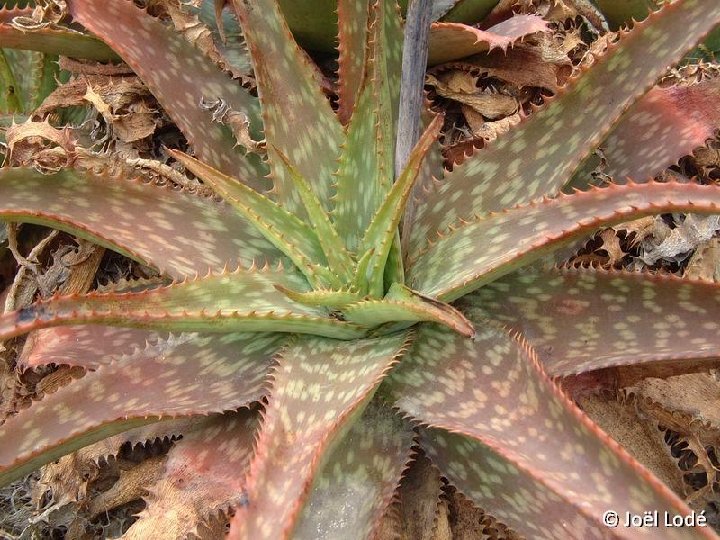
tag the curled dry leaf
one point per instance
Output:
(693, 396)
(488, 131)
(40, 146)
(542, 62)
(122, 104)
(237, 121)
(461, 86)
(705, 262)
(684, 238)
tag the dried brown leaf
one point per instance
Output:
(685, 237)
(611, 244)
(543, 63)
(131, 485)
(460, 86)
(705, 262)
(693, 396)
(40, 145)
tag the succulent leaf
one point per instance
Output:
(358, 479)
(382, 230)
(239, 301)
(181, 78)
(470, 11)
(317, 453)
(54, 40)
(477, 252)
(639, 148)
(188, 234)
(586, 319)
(538, 156)
(80, 345)
(281, 228)
(227, 38)
(500, 432)
(181, 376)
(323, 297)
(333, 248)
(402, 304)
(369, 149)
(303, 423)
(352, 51)
(297, 117)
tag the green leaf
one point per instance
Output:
(477, 252)
(180, 77)
(182, 234)
(46, 73)
(508, 438)
(322, 297)
(382, 231)
(227, 37)
(333, 248)
(184, 375)
(204, 475)
(622, 13)
(538, 156)
(321, 388)
(313, 22)
(9, 87)
(298, 119)
(366, 168)
(358, 480)
(585, 319)
(56, 40)
(404, 305)
(470, 11)
(285, 231)
(239, 301)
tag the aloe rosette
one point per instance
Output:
(346, 333)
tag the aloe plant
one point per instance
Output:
(363, 314)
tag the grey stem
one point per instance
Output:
(414, 62)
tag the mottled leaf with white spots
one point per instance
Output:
(664, 125)
(584, 319)
(85, 346)
(320, 388)
(352, 39)
(366, 167)
(184, 375)
(297, 117)
(538, 156)
(281, 228)
(176, 232)
(508, 438)
(477, 252)
(358, 479)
